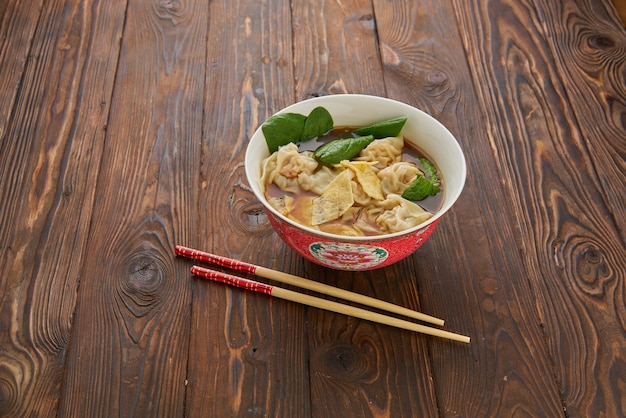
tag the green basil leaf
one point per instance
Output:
(318, 123)
(338, 150)
(282, 129)
(420, 189)
(384, 129)
(429, 171)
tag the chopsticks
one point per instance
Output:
(281, 277)
(306, 299)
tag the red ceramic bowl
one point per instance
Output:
(365, 253)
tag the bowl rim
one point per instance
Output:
(258, 136)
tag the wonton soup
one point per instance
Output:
(359, 196)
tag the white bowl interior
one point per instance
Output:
(421, 129)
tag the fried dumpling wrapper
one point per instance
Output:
(282, 204)
(334, 201)
(366, 177)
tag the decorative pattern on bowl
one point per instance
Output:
(343, 255)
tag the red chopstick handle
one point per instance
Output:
(218, 276)
(215, 259)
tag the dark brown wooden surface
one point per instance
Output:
(123, 126)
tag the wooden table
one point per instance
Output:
(123, 127)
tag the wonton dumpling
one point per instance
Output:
(285, 165)
(317, 181)
(397, 177)
(361, 221)
(383, 152)
(400, 214)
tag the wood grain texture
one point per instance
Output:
(573, 253)
(475, 252)
(620, 8)
(50, 160)
(123, 128)
(366, 369)
(335, 48)
(590, 56)
(589, 47)
(130, 336)
(17, 27)
(257, 345)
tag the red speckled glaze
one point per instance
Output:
(355, 255)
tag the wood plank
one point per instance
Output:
(357, 368)
(50, 158)
(364, 369)
(335, 49)
(17, 26)
(589, 45)
(573, 254)
(488, 297)
(257, 345)
(595, 60)
(129, 346)
(620, 8)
